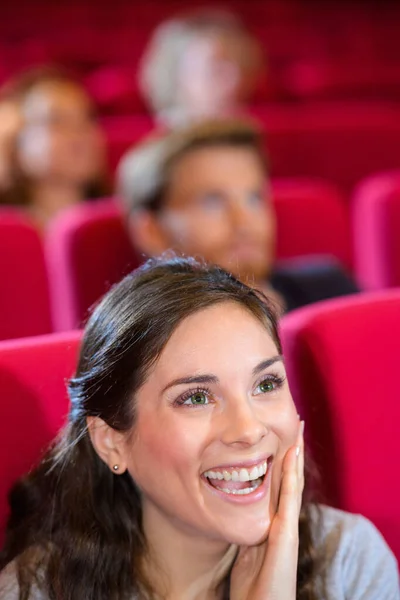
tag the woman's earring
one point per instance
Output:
(115, 467)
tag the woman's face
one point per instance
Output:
(60, 140)
(214, 414)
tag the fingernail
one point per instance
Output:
(301, 428)
(297, 450)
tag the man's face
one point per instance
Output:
(217, 207)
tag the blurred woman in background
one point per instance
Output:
(203, 65)
(55, 157)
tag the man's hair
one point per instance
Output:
(144, 172)
(158, 71)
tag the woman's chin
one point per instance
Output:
(249, 535)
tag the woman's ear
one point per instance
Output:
(108, 443)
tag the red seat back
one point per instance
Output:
(88, 251)
(338, 142)
(312, 218)
(342, 360)
(376, 231)
(34, 403)
(24, 297)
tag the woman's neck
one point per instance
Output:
(50, 197)
(182, 565)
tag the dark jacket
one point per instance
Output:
(302, 282)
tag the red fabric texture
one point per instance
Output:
(376, 231)
(24, 298)
(342, 360)
(87, 252)
(334, 79)
(34, 402)
(312, 218)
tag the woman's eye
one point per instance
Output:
(269, 385)
(199, 398)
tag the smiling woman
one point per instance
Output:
(180, 472)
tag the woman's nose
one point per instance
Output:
(242, 426)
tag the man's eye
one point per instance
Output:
(196, 399)
(255, 199)
(211, 202)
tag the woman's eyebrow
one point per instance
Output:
(264, 364)
(191, 379)
(206, 378)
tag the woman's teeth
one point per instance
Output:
(239, 475)
(255, 484)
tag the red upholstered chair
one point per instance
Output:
(339, 142)
(342, 359)
(33, 403)
(87, 252)
(329, 80)
(376, 231)
(312, 218)
(123, 132)
(24, 297)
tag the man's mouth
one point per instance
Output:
(238, 480)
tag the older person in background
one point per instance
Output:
(55, 154)
(200, 66)
(204, 191)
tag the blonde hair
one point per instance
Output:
(144, 171)
(158, 71)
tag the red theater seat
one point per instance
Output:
(376, 231)
(24, 297)
(34, 402)
(342, 360)
(312, 218)
(338, 142)
(344, 80)
(87, 252)
(124, 132)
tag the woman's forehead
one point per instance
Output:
(223, 334)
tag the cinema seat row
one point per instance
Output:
(53, 283)
(339, 142)
(314, 50)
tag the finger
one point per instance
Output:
(288, 498)
(292, 480)
(300, 460)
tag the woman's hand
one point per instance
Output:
(268, 571)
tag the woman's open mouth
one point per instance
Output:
(239, 482)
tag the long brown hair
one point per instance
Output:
(75, 529)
